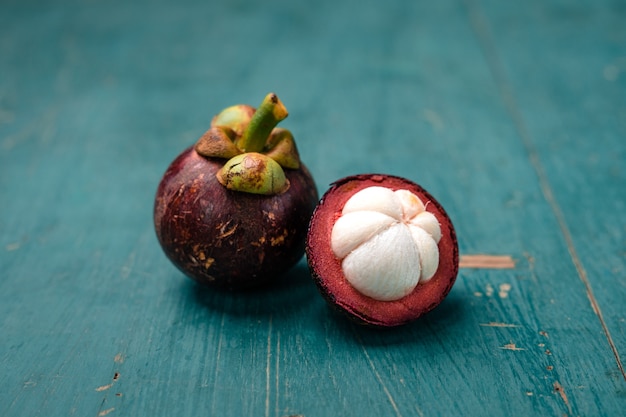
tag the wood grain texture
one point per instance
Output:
(512, 115)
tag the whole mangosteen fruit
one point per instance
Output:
(381, 249)
(232, 211)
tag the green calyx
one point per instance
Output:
(254, 173)
(257, 151)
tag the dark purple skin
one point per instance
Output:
(230, 239)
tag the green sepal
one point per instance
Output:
(257, 151)
(254, 173)
(281, 147)
(235, 117)
(217, 142)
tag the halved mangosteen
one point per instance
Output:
(381, 249)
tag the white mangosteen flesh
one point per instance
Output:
(386, 242)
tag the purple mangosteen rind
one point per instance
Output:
(232, 238)
(226, 238)
(327, 272)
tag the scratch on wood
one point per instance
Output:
(380, 381)
(487, 261)
(6, 116)
(101, 388)
(488, 290)
(127, 268)
(496, 324)
(558, 388)
(119, 358)
(267, 368)
(12, 246)
(511, 346)
(42, 128)
(277, 371)
(434, 119)
(531, 266)
(105, 412)
(218, 356)
(504, 290)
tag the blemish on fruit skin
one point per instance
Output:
(270, 215)
(279, 240)
(208, 263)
(260, 242)
(193, 260)
(225, 233)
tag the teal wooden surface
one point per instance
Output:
(512, 115)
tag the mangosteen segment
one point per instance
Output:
(383, 253)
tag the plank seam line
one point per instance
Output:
(268, 368)
(277, 376)
(218, 358)
(379, 378)
(479, 26)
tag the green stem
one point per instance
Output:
(270, 112)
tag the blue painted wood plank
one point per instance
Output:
(95, 101)
(578, 150)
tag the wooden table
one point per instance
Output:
(513, 114)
